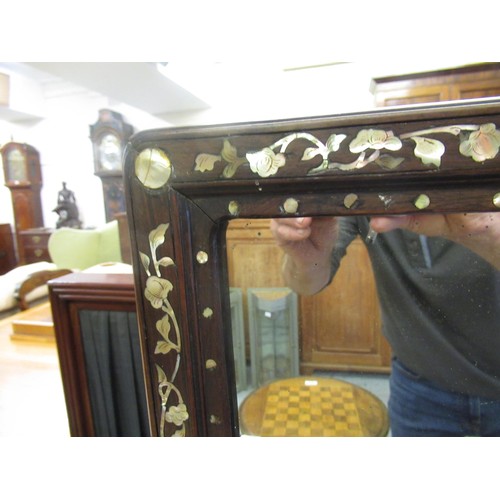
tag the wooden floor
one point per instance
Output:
(31, 393)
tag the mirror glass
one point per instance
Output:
(297, 356)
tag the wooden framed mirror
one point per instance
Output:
(184, 185)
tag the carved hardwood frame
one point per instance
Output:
(182, 185)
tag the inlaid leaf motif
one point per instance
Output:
(205, 162)
(162, 378)
(164, 347)
(229, 152)
(230, 155)
(389, 162)
(157, 236)
(145, 262)
(310, 153)
(334, 141)
(166, 261)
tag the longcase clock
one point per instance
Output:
(23, 176)
(109, 136)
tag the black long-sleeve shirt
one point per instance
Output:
(440, 306)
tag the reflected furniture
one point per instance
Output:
(97, 341)
(274, 333)
(183, 186)
(332, 334)
(238, 338)
(313, 407)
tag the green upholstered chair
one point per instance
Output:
(70, 250)
(79, 249)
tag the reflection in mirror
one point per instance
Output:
(435, 300)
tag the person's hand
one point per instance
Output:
(480, 232)
(307, 243)
(305, 237)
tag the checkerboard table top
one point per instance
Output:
(312, 407)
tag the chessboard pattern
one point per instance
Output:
(310, 411)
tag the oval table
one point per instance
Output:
(312, 407)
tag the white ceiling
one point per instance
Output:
(137, 84)
(184, 90)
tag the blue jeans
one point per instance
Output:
(419, 408)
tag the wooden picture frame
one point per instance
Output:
(183, 185)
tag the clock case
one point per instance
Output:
(110, 123)
(23, 177)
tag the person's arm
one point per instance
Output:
(479, 232)
(307, 244)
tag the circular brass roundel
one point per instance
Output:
(291, 206)
(422, 201)
(233, 207)
(496, 200)
(153, 168)
(202, 257)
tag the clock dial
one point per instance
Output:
(110, 152)
(16, 166)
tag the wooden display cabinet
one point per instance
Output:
(341, 325)
(468, 82)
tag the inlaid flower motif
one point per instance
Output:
(177, 414)
(157, 289)
(483, 144)
(429, 151)
(265, 162)
(374, 139)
